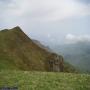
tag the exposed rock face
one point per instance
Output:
(55, 63)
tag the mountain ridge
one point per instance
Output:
(18, 51)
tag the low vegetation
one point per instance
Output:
(32, 80)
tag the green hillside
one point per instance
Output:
(23, 64)
(26, 80)
(19, 52)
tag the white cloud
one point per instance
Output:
(43, 10)
(49, 35)
(70, 38)
(30, 14)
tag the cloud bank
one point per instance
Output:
(43, 10)
(70, 38)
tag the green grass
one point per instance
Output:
(32, 80)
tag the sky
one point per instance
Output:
(49, 21)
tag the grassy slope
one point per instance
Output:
(17, 51)
(26, 80)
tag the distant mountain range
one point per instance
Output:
(19, 52)
(77, 54)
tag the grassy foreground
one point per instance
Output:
(32, 80)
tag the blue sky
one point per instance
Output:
(50, 21)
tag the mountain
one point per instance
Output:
(77, 54)
(19, 52)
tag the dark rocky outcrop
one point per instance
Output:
(55, 63)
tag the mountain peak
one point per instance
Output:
(19, 52)
(16, 28)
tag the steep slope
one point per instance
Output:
(67, 66)
(19, 52)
